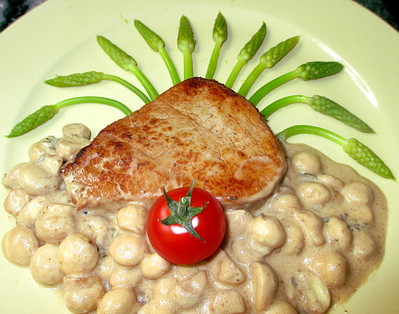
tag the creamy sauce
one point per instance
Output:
(311, 245)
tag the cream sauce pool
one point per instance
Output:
(311, 244)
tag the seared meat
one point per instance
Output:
(197, 129)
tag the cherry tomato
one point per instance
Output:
(174, 242)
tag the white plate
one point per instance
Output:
(59, 37)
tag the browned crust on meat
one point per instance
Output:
(197, 129)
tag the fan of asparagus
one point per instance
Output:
(186, 44)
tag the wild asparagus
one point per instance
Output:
(307, 71)
(353, 147)
(186, 44)
(157, 44)
(267, 61)
(219, 35)
(246, 54)
(93, 77)
(323, 105)
(47, 112)
(127, 63)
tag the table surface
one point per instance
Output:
(11, 10)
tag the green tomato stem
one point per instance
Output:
(182, 212)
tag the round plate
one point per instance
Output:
(59, 38)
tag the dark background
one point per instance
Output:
(10, 10)
(386, 9)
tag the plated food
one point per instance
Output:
(198, 129)
(115, 241)
(312, 242)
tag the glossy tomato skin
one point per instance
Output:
(173, 242)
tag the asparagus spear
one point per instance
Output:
(127, 63)
(186, 44)
(323, 105)
(219, 35)
(158, 45)
(246, 54)
(93, 77)
(307, 71)
(354, 148)
(267, 61)
(47, 112)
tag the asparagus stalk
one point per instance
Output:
(126, 62)
(47, 112)
(93, 77)
(219, 35)
(353, 147)
(246, 54)
(157, 44)
(307, 71)
(267, 61)
(323, 105)
(186, 44)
